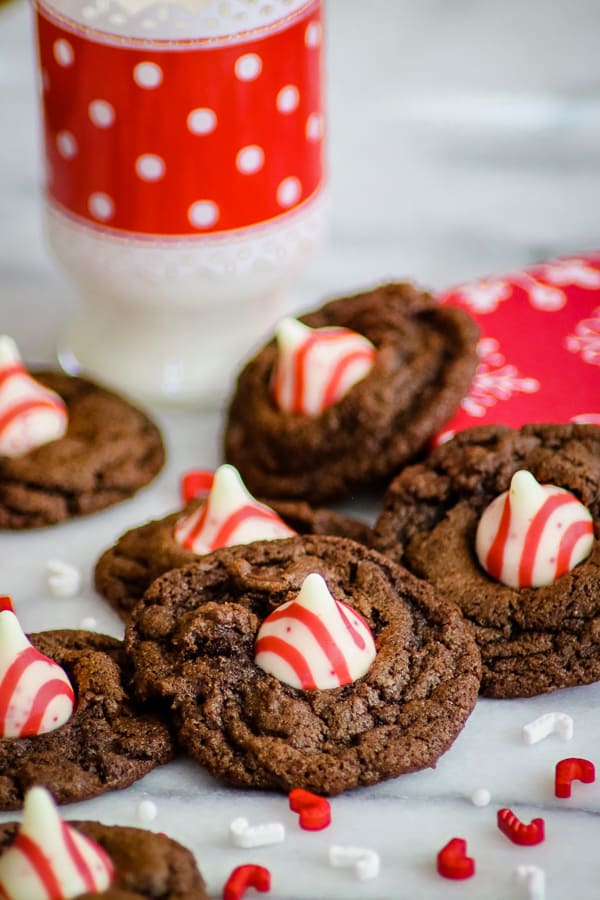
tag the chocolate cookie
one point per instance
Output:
(109, 452)
(109, 742)
(147, 865)
(532, 640)
(192, 640)
(128, 568)
(425, 361)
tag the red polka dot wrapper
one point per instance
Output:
(182, 137)
(539, 348)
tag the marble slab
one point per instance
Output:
(464, 139)
(407, 820)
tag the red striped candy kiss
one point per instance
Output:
(30, 414)
(229, 516)
(35, 693)
(533, 533)
(317, 367)
(315, 642)
(50, 860)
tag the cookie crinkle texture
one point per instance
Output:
(192, 641)
(110, 451)
(109, 741)
(128, 568)
(426, 358)
(532, 640)
(148, 866)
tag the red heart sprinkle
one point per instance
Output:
(453, 862)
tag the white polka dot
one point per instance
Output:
(66, 144)
(248, 67)
(88, 623)
(203, 213)
(63, 52)
(148, 75)
(101, 206)
(101, 113)
(314, 127)
(288, 191)
(312, 35)
(250, 159)
(44, 81)
(150, 167)
(288, 98)
(202, 120)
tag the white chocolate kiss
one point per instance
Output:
(50, 860)
(316, 367)
(229, 516)
(30, 414)
(36, 695)
(533, 533)
(315, 642)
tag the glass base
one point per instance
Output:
(173, 321)
(189, 360)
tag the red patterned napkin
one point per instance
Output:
(539, 348)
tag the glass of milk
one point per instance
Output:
(184, 151)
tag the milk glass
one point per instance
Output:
(184, 151)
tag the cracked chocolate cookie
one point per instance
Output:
(109, 741)
(532, 639)
(192, 639)
(110, 451)
(425, 360)
(147, 865)
(127, 569)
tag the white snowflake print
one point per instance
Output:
(586, 419)
(544, 289)
(541, 296)
(444, 436)
(484, 296)
(586, 339)
(574, 271)
(559, 273)
(494, 380)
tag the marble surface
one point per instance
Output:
(463, 139)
